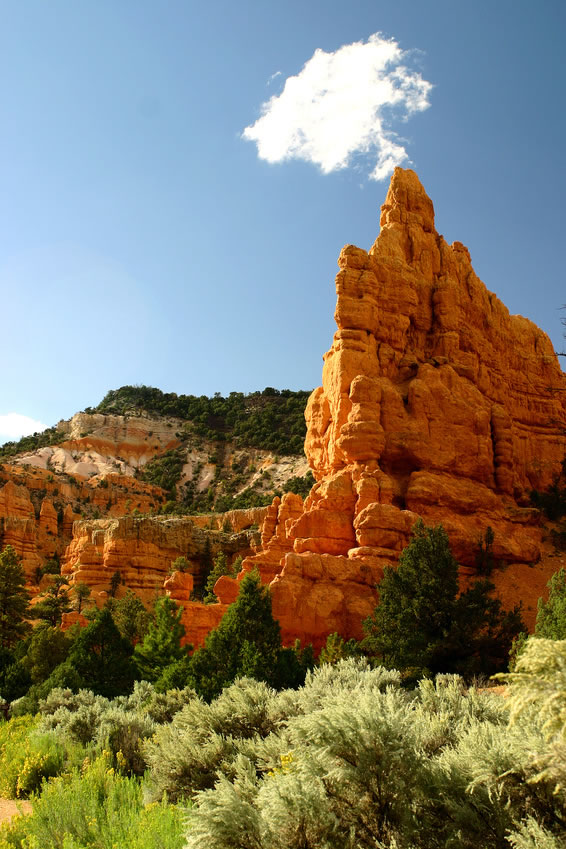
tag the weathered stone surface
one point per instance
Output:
(143, 550)
(15, 502)
(435, 403)
(48, 517)
(179, 586)
(317, 594)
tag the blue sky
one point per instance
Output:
(144, 239)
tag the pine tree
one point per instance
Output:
(423, 627)
(46, 648)
(82, 592)
(247, 642)
(416, 603)
(551, 615)
(130, 616)
(161, 645)
(337, 649)
(102, 657)
(54, 602)
(14, 598)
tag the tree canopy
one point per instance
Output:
(161, 645)
(14, 598)
(551, 615)
(247, 642)
(102, 657)
(422, 625)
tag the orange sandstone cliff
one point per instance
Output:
(435, 403)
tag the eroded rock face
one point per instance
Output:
(436, 403)
(142, 551)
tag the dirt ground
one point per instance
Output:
(9, 809)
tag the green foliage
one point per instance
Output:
(337, 648)
(130, 616)
(438, 767)
(95, 808)
(49, 436)
(551, 615)
(180, 564)
(184, 756)
(14, 598)
(539, 682)
(26, 757)
(165, 471)
(349, 760)
(221, 567)
(82, 593)
(161, 645)
(46, 648)
(485, 561)
(244, 500)
(422, 626)
(300, 486)
(115, 582)
(51, 567)
(272, 420)
(54, 602)
(247, 642)
(64, 675)
(14, 678)
(102, 657)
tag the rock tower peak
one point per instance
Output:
(435, 403)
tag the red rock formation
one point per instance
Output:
(435, 402)
(32, 497)
(143, 550)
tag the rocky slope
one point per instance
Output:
(94, 471)
(435, 403)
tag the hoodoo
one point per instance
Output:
(435, 403)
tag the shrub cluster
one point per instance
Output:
(351, 759)
(272, 419)
(441, 766)
(49, 436)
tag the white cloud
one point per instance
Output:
(341, 104)
(14, 425)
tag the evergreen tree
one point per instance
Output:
(14, 598)
(206, 564)
(82, 592)
(161, 645)
(54, 602)
(130, 616)
(115, 582)
(46, 648)
(416, 603)
(485, 561)
(221, 567)
(14, 678)
(421, 626)
(551, 615)
(337, 649)
(247, 642)
(102, 657)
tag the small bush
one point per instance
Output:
(27, 757)
(95, 808)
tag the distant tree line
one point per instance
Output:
(49, 436)
(272, 420)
